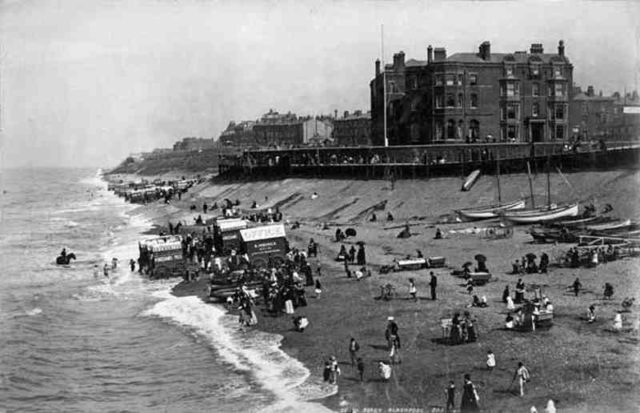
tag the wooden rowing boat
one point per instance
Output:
(610, 226)
(537, 216)
(471, 180)
(490, 211)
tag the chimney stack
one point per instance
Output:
(377, 67)
(561, 48)
(398, 60)
(485, 50)
(536, 48)
(590, 91)
(346, 114)
(439, 54)
(335, 114)
(429, 54)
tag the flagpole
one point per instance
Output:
(384, 87)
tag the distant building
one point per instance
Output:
(239, 134)
(275, 129)
(194, 144)
(521, 96)
(352, 129)
(594, 116)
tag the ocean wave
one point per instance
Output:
(34, 311)
(251, 351)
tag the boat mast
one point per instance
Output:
(533, 202)
(548, 184)
(498, 177)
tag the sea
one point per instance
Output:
(73, 340)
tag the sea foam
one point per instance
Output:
(251, 351)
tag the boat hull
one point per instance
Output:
(534, 217)
(490, 211)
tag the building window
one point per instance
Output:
(511, 89)
(450, 80)
(473, 101)
(559, 89)
(414, 105)
(414, 82)
(535, 109)
(559, 132)
(512, 111)
(557, 71)
(535, 89)
(473, 79)
(415, 132)
(459, 130)
(511, 133)
(535, 71)
(459, 79)
(450, 100)
(439, 130)
(451, 129)
(474, 129)
(460, 100)
(439, 80)
(392, 87)
(439, 101)
(559, 112)
(508, 70)
(585, 109)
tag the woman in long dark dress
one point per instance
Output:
(454, 336)
(469, 396)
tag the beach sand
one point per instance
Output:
(584, 367)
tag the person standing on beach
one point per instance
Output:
(353, 351)
(450, 391)
(470, 396)
(577, 285)
(318, 288)
(96, 271)
(361, 255)
(433, 283)
(413, 291)
(105, 270)
(522, 374)
(360, 366)
(335, 371)
(132, 265)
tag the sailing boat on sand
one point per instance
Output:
(491, 211)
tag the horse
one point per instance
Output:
(66, 259)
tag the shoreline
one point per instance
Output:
(419, 381)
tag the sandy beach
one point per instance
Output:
(583, 367)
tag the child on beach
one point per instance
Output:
(491, 360)
(413, 291)
(318, 288)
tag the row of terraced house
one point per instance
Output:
(524, 96)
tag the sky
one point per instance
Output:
(85, 83)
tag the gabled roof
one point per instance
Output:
(414, 63)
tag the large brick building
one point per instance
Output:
(521, 96)
(275, 129)
(352, 129)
